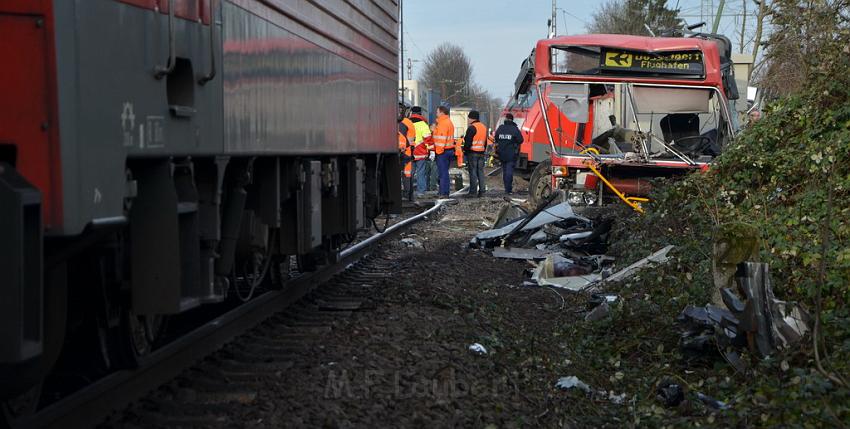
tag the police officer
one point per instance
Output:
(508, 141)
(474, 145)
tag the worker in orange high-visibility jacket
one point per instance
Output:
(432, 162)
(411, 129)
(405, 150)
(444, 145)
(474, 145)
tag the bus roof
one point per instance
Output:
(709, 49)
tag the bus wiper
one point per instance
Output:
(679, 154)
(640, 133)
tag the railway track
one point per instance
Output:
(302, 308)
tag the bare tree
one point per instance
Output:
(809, 42)
(633, 16)
(743, 33)
(449, 70)
(764, 10)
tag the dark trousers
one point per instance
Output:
(432, 176)
(508, 175)
(444, 163)
(477, 180)
(407, 187)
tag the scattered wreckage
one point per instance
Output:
(753, 319)
(568, 252)
(569, 248)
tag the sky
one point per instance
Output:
(498, 34)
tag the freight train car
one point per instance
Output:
(157, 156)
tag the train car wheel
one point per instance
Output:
(139, 336)
(540, 186)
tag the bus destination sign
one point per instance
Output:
(682, 62)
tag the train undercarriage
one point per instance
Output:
(200, 235)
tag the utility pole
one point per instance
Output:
(553, 24)
(717, 17)
(743, 26)
(410, 62)
(553, 29)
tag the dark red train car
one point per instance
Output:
(159, 155)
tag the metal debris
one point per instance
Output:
(711, 317)
(670, 394)
(508, 214)
(551, 233)
(538, 237)
(413, 243)
(572, 382)
(478, 349)
(659, 257)
(617, 399)
(771, 323)
(600, 312)
(755, 319)
(558, 213)
(593, 241)
(711, 402)
(711, 330)
(598, 299)
(575, 237)
(521, 253)
(530, 225)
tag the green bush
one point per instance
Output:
(787, 177)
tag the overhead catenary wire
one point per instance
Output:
(411, 41)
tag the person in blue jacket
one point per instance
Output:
(508, 140)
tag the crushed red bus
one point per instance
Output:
(618, 110)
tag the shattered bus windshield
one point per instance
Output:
(628, 120)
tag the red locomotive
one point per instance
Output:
(160, 155)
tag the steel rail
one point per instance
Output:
(112, 393)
